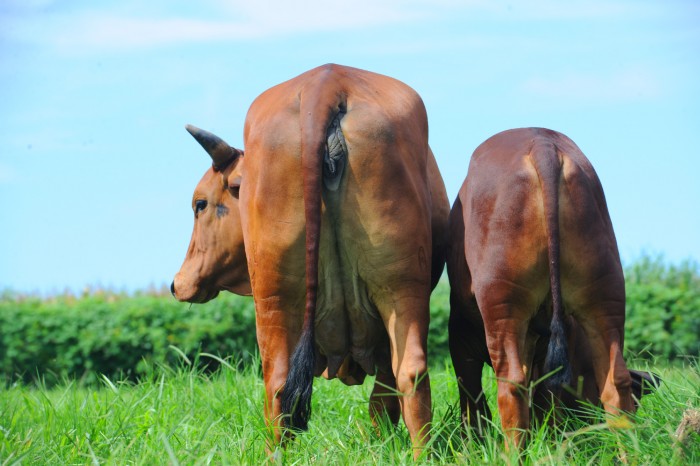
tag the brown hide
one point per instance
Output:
(358, 260)
(532, 204)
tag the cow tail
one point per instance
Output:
(317, 109)
(548, 166)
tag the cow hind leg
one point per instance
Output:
(506, 330)
(406, 321)
(274, 377)
(384, 404)
(605, 332)
(468, 366)
(472, 401)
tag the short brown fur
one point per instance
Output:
(499, 262)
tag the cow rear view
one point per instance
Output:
(531, 242)
(342, 212)
(346, 231)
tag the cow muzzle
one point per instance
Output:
(189, 293)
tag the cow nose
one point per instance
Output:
(172, 289)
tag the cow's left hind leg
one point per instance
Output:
(274, 375)
(506, 328)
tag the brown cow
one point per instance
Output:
(531, 252)
(343, 214)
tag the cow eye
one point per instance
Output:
(200, 206)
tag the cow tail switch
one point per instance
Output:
(320, 103)
(296, 396)
(548, 166)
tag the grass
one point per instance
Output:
(184, 416)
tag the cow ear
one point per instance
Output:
(220, 152)
(234, 186)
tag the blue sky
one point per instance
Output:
(97, 171)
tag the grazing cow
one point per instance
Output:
(532, 252)
(340, 211)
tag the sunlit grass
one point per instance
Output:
(185, 416)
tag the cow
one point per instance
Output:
(335, 219)
(532, 253)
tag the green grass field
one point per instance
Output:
(183, 416)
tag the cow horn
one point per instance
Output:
(220, 152)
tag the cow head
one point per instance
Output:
(216, 258)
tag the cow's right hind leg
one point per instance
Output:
(604, 326)
(406, 320)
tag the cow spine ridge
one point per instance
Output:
(320, 103)
(548, 166)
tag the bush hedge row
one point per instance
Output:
(118, 335)
(124, 336)
(663, 310)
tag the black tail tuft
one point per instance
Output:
(296, 396)
(557, 356)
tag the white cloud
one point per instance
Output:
(120, 28)
(129, 25)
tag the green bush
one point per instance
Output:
(117, 335)
(663, 309)
(123, 336)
